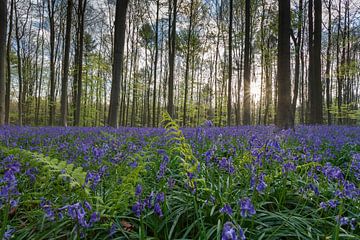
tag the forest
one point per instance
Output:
(122, 63)
(179, 119)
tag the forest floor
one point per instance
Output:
(194, 183)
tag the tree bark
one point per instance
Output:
(172, 54)
(119, 43)
(247, 65)
(230, 65)
(283, 115)
(3, 32)
(64, 82)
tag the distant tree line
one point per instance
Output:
(123, 62)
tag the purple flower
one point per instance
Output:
(261, 183)
(160, 197)
(87, 205)
(333, 203)
(95, 217)
(158, 210)
(8, 234)
(137, 208)
(323, 205)
(138, 190)
(247, 208)
(230, 232)
(227, 209)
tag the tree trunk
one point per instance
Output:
(51, 12)
(328, 66)
(119, 42)
(230, 64)
(172, 54)
(187, 64)
(315, 78)
(3, 32)
(64, 82)
(247, 65)
(298, 49)
(8, 51)
(283, 115)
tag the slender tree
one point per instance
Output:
(230, 64)
(172, 54)
(3, 23)
(65, 70)
(315, 87)
(119, 43)
(156, 61)
(247, 65)
(283, 119)
(79, 51)
(51, 15)
(328, 64)
(187, 63)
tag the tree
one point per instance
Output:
(187, 62)
(230, 64)
(52, 100)
(247, 65)
(156, 60)
(3, 23)
(315, 87)
(65, 76)
(172, 52)
(328, 64)
(79, 51)
(119, 42)
(283, 114)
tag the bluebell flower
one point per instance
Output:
(261, 183)
(113, 229)
(323, 205)
(333, 203)
(158, 210)
(137, 208)
(247, 208)
(227, 209)
(8, 234)
(160, 197)
(95, 217)
(230, 232)
(138, 190)
(87, 205)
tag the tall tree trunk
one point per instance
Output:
(311, 60)
(247, 65)
(283, 115)
(298, 49)
(19, 67)
(156, 62)
(51, 12)
(119, 42)
(230, 65)
(328, 66)
(64, 82)
(315, 80)
(8, 51)
(3, 32)
(187, 64)
(338, 66)
(172, 54)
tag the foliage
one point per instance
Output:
(172, 183)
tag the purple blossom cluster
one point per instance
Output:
(9, 182)
(231, 232)
(151, 202)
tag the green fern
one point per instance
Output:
(180, 147)
(75, 175)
